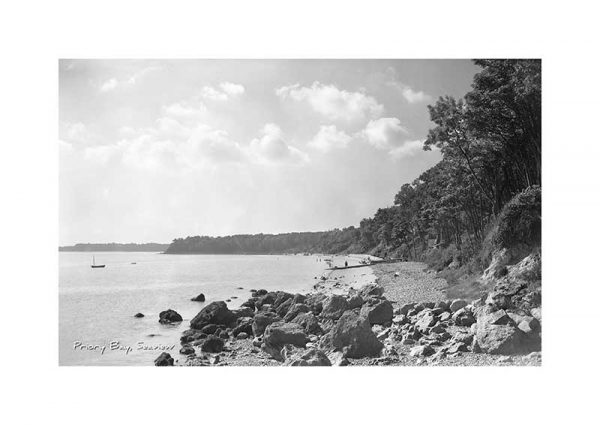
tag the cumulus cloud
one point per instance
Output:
(384, 133)
(407, 149)
(329, 138)
(271, 147)
(332, 102)
(114, 83)
(413, 96)
(225, 91)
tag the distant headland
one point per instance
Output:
(131, 247)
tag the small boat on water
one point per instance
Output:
(97, 266)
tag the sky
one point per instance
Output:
(152, 150)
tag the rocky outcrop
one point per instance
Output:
(214, 313)
(138, 315)
(309, 322)
(169, 316)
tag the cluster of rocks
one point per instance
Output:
(323, 330)
(295, 329)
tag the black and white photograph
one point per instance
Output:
(300, 212)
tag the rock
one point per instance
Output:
(138, 315)
(529, 324)
(309, 322)
(169, 316)
(378, 311)
(257, 341)
(223, 334)
(311, 357)
(281, 333)
(338, 359)
(422, 351)
(400, 320)
(267, 299)
(333, 307)
(299, 298)
(260, 292)
(442, 304)
(164, 359)
(406, 308)
(355, 301)
(352, 334)
(242, 335)
(244, 325)
(281, 298)
(261, 321)
(537, 313)
(463, 317)
(457, 305)
(498, 318)
(493, 336)
(210, 329)
(315, 302)
(294, 311)
(457, 347)
(425, 320)
(249, 303)
(212, 344)
(438, 329)
(243, 312)
(189, 336)
(199, 298)
(214, 313)
(214, 360)
(284, 307)
(187, 350)
(370, 290)
(445, 316)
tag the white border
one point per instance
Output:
(35, 34)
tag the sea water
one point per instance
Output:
(97, 306)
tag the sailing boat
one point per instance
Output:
(97, 266)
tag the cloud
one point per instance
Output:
(384, 133)
(413, 96)
(329, 138)
(114, 83)
(109, 85)
(407, 149)
(184, 110)
(333, 103)
(225, 91)
(271, 147)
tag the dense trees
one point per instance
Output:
(491, 150)
(491, 147)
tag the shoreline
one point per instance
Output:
(402, 338)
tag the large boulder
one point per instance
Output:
(215, 313)
(315, 302)
(309, 322)
(352, 334)
(212, 344)
(311, 357)
(283, 308)
(457, 305)
(333, 307)
(378, 311)
(261, 321)
(463, 317)
(370, 290)
(244, 325)
(294, 311)
(281, 333)
(164, 359)
(497, 333)
(355, 301)
(169, 316)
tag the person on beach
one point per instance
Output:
(346, 263)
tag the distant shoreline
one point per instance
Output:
(115, 247)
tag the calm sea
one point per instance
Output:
(96, 306)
